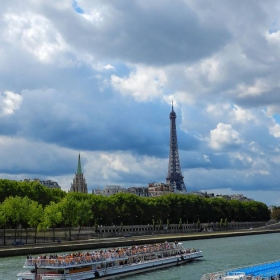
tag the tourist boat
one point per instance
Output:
(107, 263)
(263, 271)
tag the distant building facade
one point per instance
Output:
(47, 183)
(110, 190)
(79, 182)
(159, 189)
(140, 191)
(114, 189)
(239, 197)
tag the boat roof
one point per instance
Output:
(264, 270)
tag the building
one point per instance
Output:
(50, 184)
(140, 191)
(79, 182)
(174, 176)
(159, 189)
(47, 183)
(239, 197)
(110, 190)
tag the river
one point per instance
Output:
(218, 254)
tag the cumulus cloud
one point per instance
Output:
(144, 84)
(275, 130)
(9, 102)
(35, 33)
(224, 136)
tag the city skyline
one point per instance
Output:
(97, 78)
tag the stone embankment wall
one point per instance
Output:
(8, 236)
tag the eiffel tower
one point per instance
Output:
(174, 177)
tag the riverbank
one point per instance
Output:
(90, 244)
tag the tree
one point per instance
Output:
(8, 188)
(52, 217)
(3, 222)
(12, 209)
(275, 215)
(84, 213)
(69, 212)
(36, 215)
(25, 214)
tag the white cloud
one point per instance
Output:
(146, 83)
(104, 67)
(273, 109)
(259, 87)
(242, 115)
(114, 162)
(224, 136)
(9, 102)
(275, 130)
(35, 33)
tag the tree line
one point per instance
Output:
(32, 205)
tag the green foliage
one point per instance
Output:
(13, 210)
(275, 215)
(77, 209)
(52, 217)
(3, 218)
(33, 190)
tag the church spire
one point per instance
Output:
(79, 182)
(79, 168)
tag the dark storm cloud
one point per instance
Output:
(192, 160)
(142, 32)
(262, 100)
(51, 117)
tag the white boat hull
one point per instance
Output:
(106, 269)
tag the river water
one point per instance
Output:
(218, 254)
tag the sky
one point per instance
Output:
(98, 78)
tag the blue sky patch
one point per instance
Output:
(77, 8)
(277, 118)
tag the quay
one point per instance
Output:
(98, 243)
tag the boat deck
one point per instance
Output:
(264, 271)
